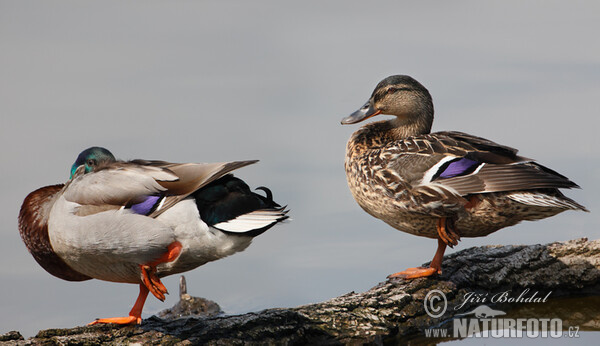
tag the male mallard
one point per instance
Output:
(136, 221)
(443, 185)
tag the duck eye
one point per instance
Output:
(91, 162)
(391, 90)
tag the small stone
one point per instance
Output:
(11, 336)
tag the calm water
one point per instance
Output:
(216, 81)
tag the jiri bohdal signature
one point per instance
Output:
(503, 297)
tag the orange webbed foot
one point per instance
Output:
(148, 271)
(118, 320)
(135, 315)
(420, 272)
(152, 282)
(413, 273)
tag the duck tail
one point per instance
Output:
(549, 199)
(229, 205)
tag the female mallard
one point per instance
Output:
(443, 185)
(139, 220)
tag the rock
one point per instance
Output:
(189, 306)
(566, 275)
(10, 336)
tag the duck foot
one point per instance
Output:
(135, 315)
(413, 273)
(148, 271)
(152, 282)
(419, 272)
(446, 232)
(118, 320)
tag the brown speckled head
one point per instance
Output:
(403, 97)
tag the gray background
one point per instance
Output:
(226, 80)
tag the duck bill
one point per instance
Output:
(364, 113)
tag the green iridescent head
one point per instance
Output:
(91, 158)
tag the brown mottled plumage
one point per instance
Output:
(443, 185)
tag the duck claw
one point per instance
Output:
(152, 282)
(148, 271)
(446, 232)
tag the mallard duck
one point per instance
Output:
(443, 185)
(137, 221)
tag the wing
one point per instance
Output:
(439, 169)
(116, 184)
(476, 165)
(193, 176)
(147, 187)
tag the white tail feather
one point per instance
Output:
(252, 221)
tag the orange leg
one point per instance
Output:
(148, 271)
(434, 268)
(150, 283)
(447, 236)
(135, 315)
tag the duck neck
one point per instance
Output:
(380, 133)
(410, 125)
